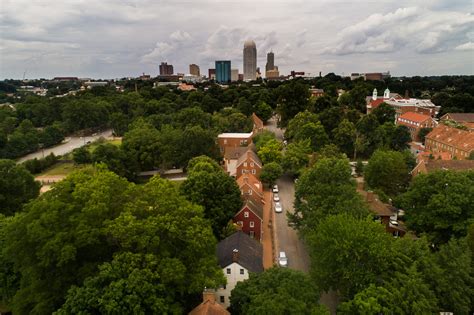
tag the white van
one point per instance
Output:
(283, 260)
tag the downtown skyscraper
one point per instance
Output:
(250, 60)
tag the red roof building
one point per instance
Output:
(414, 122)
(458, 142)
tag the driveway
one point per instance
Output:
(61, 149)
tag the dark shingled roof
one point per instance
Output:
(250, 252)
(460, 117)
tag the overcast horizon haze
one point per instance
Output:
(113, 39)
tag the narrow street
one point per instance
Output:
(286, 238)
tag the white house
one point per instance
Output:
(238, 255)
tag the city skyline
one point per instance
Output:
(110, 39)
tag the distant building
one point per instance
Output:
(241, 76)
(415, 122)
(166, 69)
(270, 61)
(401, 105)
(212, 74)
(92, 84)
(371, 76)
(377, 76)
(194, 70)
(223, 71)
(234, 75)
(65, 79)
(459, 143)
(464, 119)
(250, 60)
(272, 74)
(295, 74)
(316, 92)
(144, 77)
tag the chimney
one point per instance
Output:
(235, 255)
(208, 295)
(370, 196)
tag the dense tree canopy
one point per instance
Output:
(101, 245)
(440, 204)
(17, 186)
(276, 291)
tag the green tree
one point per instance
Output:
(81, 155)
(119, 123)
(157, 269)
(270, 173)
(423, 132)
(301, 119)
(315, 133)
(344, 137)
(348, 254)
(17, 186)
(388, 171)
(213, 189)
(440, 204)
(276, 291)
(141, 146)
(262, 138)
(112, 156)
(324, 189)
(270, 152)
(292, 98)
(384, 113)
(296, 157)
(263, 111)
(400, 138)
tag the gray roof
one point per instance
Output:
(234, 153)
(250, 252)
(460, 117)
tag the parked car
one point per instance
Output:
(278, 207)
(275, 188)
(276, 197)
(282, 259)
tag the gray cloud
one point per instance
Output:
(111, 38)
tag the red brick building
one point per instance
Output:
(458, 142)
(414, 122)
(249, 163)
(251, 188)
(233, 140)
(250, 219)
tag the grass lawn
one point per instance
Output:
(61, 169)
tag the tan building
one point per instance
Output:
(250, 60)
(234, 75)
(194, 70)
(233, 140)
(428, 166)
(415, 122)
(459, 143)
(249, 163)
(272, 74)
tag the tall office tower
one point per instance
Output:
(194, 70)
(223, 71)
(270, 61)
(250, 60)
(166, 69)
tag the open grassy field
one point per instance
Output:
(61, 169)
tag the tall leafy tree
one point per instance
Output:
(209, 186)
(344, 137)
(276, 291)
(292, 99)
(440, 204)
(296, 157)
(384, 113)
(17, 186)
(387, 171)
(271, 172)
(270, 152)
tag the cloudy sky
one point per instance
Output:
(120, 38)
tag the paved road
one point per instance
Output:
(71, 144)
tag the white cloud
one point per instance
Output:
(412, 28)
(180, 36)
(162, 50)
(465, 46)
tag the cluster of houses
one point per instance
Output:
(450, 140)
(241, 252)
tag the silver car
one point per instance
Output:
(278, 207)
(276, 197)
(282, 259)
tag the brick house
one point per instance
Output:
(428, 166)
(465, 119)
(251, 188)
(231, 156)
(415, 122)
(238, 255)
(250, 219)
(459, 143)
(387, 215)
(249, 163)
(233, 140)
(257, 124)
(209, 305)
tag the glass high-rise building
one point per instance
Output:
(223, 72)
(250, 60)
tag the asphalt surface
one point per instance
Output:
(70, 144)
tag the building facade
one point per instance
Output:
(234, 75)
(223, 71)
(415, 122)
(249, 163)
(250, 219)
(194, 70)
(166, 69)
(457, 142)
(211, 74)
(270, 61)
(232, 140)
(250, 60)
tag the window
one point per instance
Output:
(246, 214)
(225, 141)
(253, 171)
(245, 164)
(250, 191)
(242, 271)
(252, 234)
(243, 171)
(222, 299)
(228, 271)
(252, 224)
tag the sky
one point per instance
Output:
(125, 38)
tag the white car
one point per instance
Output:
(278, 207)
(275, 188)
(276, 197)
(282, 259)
